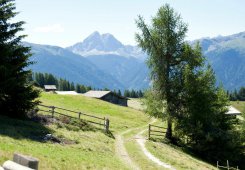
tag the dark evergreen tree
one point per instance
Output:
(241, 94)
(78, 88)
(16, 95)
(72, 87)
(68, 86)
(83, 89)
(133, 94)
(141, 94)
(114, 91)
(88, 88)
(126, 93)
(119, 93)
(210, 132)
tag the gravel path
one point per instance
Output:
(123, 154)
(141, 141)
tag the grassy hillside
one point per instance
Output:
(85, 149)
(92, 150)
(170, 154)
(120, 117)
(19, 136)
(136, 103)
(240, 105)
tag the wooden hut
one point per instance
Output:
(50, 88)
(233, 111)
(108, 96)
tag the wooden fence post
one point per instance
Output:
(228, 165)
(79, 115)
(107, 124)
(52, 111)
(149, 132)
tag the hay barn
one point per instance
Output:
(108, 96)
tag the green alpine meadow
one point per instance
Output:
(122, 85)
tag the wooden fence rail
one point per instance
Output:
(97, 121)
(226, 167)
(155, 131)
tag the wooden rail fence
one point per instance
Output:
(96, 120)
(155, 131)
(226, 167)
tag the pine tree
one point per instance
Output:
(83, 89)
(141, 94)
(163, 41)
(133, 94)
(16, 95)
(78, 88)
(241, 94)
(210, 132)
(72, 87)
(126, 93)
(119, 93)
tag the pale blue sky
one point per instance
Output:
(65, 22)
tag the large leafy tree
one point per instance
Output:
(163, 41)
(16, 95)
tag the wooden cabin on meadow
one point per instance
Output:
(233, 111)
(108, 96)
(50, 88)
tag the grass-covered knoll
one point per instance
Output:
(120, 117)
(136, 103)
(167, 153)
(89, 149)
(176, 157)
(240, 105)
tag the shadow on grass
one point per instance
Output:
(23, 129)
(35, 128)
(181, 148)
(75, 124)
(110, 134)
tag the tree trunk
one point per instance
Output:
(169, 129)
(169, 120)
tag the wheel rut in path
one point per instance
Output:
(141, 141)
(123, 154)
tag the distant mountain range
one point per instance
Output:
(65, 64)
(103, 61)
(226, 54)
(105, 44)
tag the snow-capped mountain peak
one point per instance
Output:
(101, 44)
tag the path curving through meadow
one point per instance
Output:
(122, 152)
(124, 156)
(141, 141)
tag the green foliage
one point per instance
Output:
(184, 90)
(155, 106)
(44, 79)
(41, 79)
(240, 95)
(203, 122)
(163, 41)
(16, 94)
(132, 93)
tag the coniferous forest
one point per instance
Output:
(41, 79)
